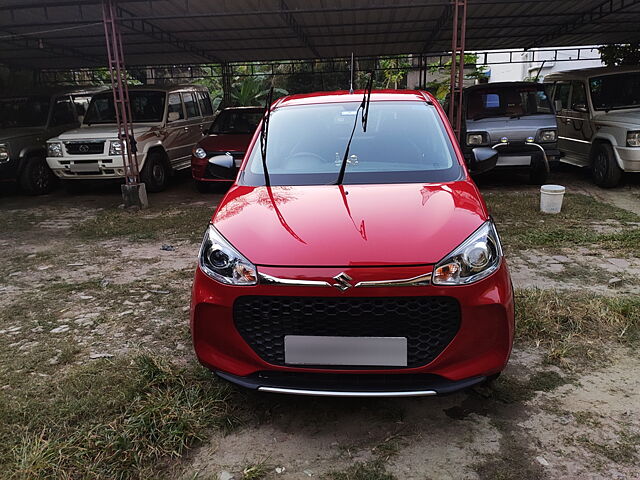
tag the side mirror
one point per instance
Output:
(557, 105)
(225, 161)
(580, 107)
(484, 159)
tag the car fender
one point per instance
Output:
(149, 145)
(605, 135)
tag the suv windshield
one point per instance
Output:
(146, 107)
(20, 112)
(507, 101)
(615, 91)
(236, 121)
(405, 142)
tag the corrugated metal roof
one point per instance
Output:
(67, 34)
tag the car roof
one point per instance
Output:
(161, 88)
(248, 109)
(51, 91)
(585, 73)
(345, 96)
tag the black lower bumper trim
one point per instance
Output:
(351, 385)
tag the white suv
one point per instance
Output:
(598, 113)
(167, 123)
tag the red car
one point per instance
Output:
(361, 262)
(231, 134)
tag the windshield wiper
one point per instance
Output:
(264, 131)
(364, 106)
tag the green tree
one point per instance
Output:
(440, 88)
(620, 54)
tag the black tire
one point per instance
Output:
(538, 174)
(203, 187)
(604, 168)
(36, 178)
(155, 173)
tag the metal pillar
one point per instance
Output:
(457, 63)
(134, 193)
(227, 73)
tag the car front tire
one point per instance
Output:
(605, 170)
(155, 173)
(36, 177)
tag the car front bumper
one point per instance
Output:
(87, 167)
(480, 347)
(629, 158)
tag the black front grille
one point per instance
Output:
(84, 148)
(428, 323)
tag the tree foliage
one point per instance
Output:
(620, 54)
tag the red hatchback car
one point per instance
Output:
(230, 134)
(361, 262)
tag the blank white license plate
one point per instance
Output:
(84, 167)
(354, 351)
(513, 161)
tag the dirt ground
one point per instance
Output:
(78, 295)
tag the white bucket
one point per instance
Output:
(551, 198)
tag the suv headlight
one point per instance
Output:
(219, 260)
(548, 135)
(199, 152)
(477, 138)
(633, 138)
(54, 149)
(115, 147)
(4, 152)
(476, 258)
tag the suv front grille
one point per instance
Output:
(84, 148)
(428, 323)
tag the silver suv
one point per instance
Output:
(27, 120)
(598, 111)
(167, 123)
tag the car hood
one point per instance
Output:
(226, 143)
(630, 117)
(351, 225)
(515, 129)
(99, 132)
(12, 133)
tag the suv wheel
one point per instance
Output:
(36, 177)
(538, 174)
(605, 169)
(155, 173)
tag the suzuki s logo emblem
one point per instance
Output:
(83, 148)
(342, 282)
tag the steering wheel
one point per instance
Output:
(309, 155)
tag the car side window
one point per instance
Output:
(562, 94)
(578, 95)
(190, 105)
(63, 113)
(205, 103)
(175, 111)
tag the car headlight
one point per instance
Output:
(548, 136)
(219, 260)
(476, 258)
(116, 147)
(633, 138)
(4, 152)
(477, 139)
(199, 152)
(54, 149)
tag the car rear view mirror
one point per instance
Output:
(225, 161)
(484, 159)
(173, 116)
(557, 105)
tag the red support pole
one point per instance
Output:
(120, 90)
(457, 64)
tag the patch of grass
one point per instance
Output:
(256, 471)
(624, 450)
(576, 324)
(20, 220)
(372, 470)
(522, 225)
(188, 222)
(508, 389)
(109, 419)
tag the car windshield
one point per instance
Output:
(405, 142)
(242, 122)
(20, 112)
(146, 107)
(507, 101)
(615, 91)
